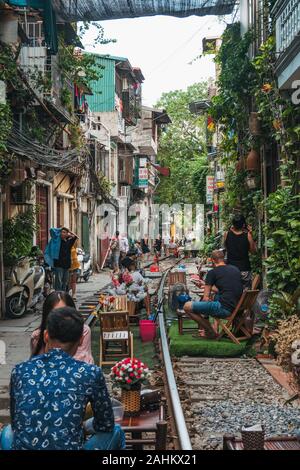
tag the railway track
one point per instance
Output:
(210, 397)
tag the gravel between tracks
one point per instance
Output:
(221, 396)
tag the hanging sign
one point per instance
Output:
(143, 178)
(210, 184)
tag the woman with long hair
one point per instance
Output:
(53, 301)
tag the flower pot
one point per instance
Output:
(240, 164)
(253, 440)
(131, 400)
(253, 161)
(254, 124)
(251, 182)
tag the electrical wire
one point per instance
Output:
(22, 145)
(180, 47)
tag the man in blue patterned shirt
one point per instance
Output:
(49, 394)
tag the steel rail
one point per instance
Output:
(178, 415)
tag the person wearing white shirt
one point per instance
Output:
(124, 246)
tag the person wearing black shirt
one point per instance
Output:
(63, 263)
(224, 279)
(158, 245)
(239, 243)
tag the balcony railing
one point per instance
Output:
(40, 67)
(287, 16)
(131, 106)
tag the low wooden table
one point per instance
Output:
(271, 443)
(146, 422)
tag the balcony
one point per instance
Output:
(286, 14)
(131, 106)
(44, 75)
(126, 173)
(145, 143)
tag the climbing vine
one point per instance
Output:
(250, 85)
(278, 116)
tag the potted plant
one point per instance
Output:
(129, 374)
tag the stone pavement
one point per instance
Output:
(16, 337)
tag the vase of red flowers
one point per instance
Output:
(129, 374)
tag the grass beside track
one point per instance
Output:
(187, 345)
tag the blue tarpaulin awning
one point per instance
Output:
(97, 10)
(49, 18)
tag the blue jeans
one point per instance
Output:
(213, 309)
(61, 279)
(114, 440)
(114, 259)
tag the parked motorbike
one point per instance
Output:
(85, 261)
(28, 282)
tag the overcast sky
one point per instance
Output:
(163, 47)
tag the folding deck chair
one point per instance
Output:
(255, 282)
(237, 322)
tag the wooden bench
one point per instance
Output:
(271, 443)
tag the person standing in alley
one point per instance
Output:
(158, 245)
(145, 247)
(167, 240)
(115, 251)
(124, 247)
(58, 255)
(74, 270)
(238, 242)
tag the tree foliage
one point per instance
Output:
(183, 148)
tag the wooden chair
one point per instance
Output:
(181, 316)
(177, 278)
(115, 332)
(237, 322)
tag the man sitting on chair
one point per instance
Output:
(227, 281)
(49, 394)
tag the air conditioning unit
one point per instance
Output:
(23, 194)
(125, 191)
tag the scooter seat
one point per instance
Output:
(37, 275)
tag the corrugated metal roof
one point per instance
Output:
(71, 10)
(103, 98)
